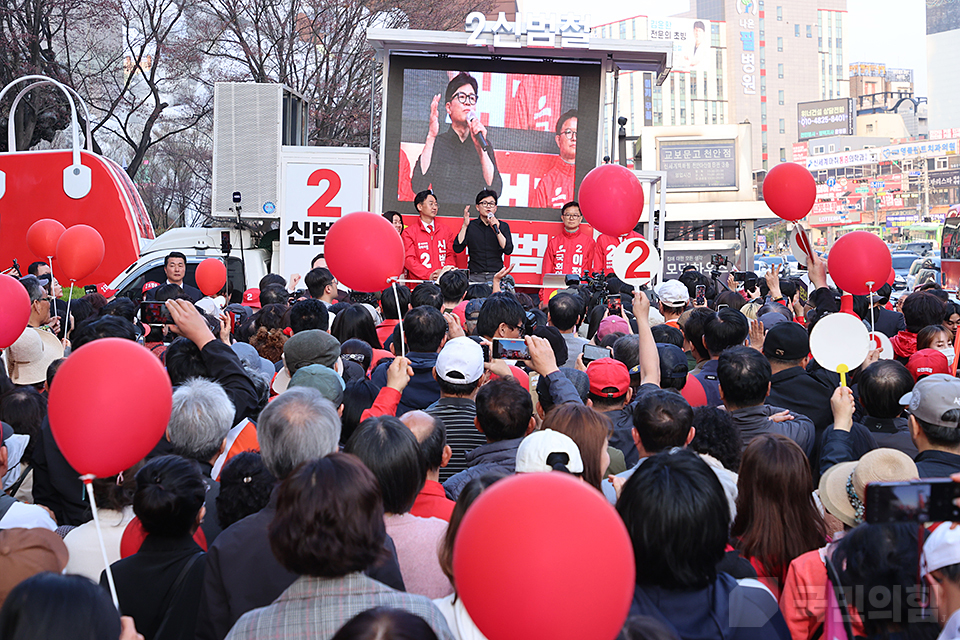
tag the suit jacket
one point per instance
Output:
(194, 293)
(889, 323)
(145, 580)
(243, 574)
(316, 608)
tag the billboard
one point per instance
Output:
(691, 42)
(698, 164)
(824, 118)
(868, 69)
(460, 126)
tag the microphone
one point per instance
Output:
(496, 227)
(483, 140)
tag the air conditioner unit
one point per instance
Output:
(251, 121)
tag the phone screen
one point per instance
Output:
(510, 349)
(154, 312)
(614, 305)
(592, 352)
(914, 501)
(701, 294)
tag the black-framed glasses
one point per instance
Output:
(487, 204)
(465, 98)
(569, 134)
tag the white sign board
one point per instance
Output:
(636, 261)
(318, 186)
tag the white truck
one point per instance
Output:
(244, 267)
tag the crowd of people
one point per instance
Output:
(324, 447)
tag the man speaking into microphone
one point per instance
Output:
(459, 161)
(486, 238)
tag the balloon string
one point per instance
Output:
(873, 322)
(66, 320)
(88, 482)
(956, 351)
(396, 297)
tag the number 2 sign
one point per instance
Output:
(319, 186)
(636, 261)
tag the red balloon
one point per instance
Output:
(211, 276)
(14, 312)
(364, 251)
(859, 262)
(109, 406)
(611, 199)
(790, 190)
(43, 236)
(892, 277)
(560, 577)
(79, 252)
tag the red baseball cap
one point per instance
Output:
(251, 298)
(927, 362)
(149, 285)
(609, 378)
(106, 291)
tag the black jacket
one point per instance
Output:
(486, 255)
(937, 464)
(796, 390)
(57, 486)
(891, 433)
(889, 323)
(843, 446)
(145, 581)
(243, 574)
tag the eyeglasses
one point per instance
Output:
(572, 216)
(465, 98)
(569, 134)
(487, 204)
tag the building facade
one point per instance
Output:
(765, 57)
(943, 60)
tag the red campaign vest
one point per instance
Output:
(569, 253)
(602, 260)
(425, 252)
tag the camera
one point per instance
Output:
(718, 260)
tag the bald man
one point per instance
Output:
(432, 501)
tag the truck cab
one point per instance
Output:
(244, 269)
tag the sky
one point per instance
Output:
(883, 31)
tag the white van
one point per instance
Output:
(244, 268)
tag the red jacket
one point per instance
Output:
(568, 253)
(426, 252)
(555, 188)
(605, 246)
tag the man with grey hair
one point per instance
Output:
(40, 304)
(242, 573)
(200, 419)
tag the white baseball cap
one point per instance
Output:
(673, 293)
(534, 450)
(460, 361)
(942, 548)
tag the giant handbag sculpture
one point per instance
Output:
(73, 187)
